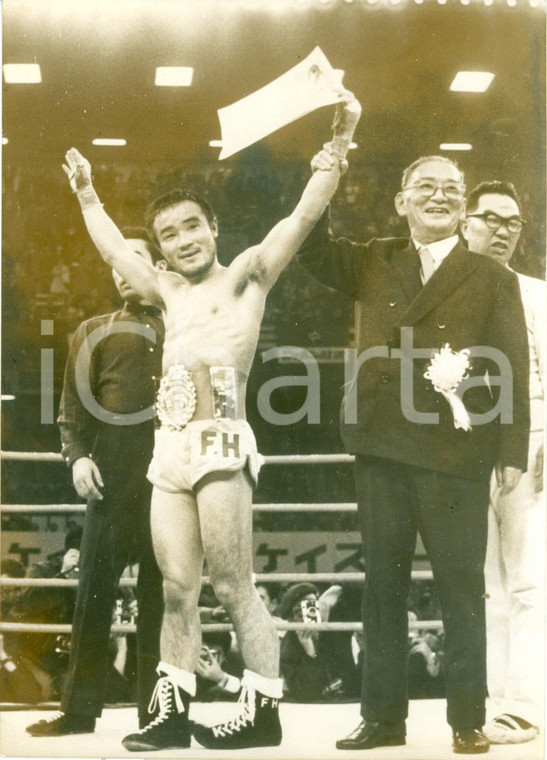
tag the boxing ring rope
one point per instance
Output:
(419, 575)
(282, 625)
(277, 507)
(45, 456)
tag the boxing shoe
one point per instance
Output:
(369, 734)
(61, 724)
(170, 729)
(256, 726)
(470, 741)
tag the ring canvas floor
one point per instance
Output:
(309, 733)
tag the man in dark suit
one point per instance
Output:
(107, 434)
(420, 465)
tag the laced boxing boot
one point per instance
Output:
(170, 729)
(257, 725)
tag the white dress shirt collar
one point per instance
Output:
(440, 249)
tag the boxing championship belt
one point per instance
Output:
(224, 389)
(176, 399)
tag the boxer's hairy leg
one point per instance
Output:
(177, 546)
(225, 514)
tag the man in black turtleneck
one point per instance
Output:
(107, 433)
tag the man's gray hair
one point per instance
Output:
(409, 171)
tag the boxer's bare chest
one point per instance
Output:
(212, 323)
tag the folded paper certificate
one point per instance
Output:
(311, 84)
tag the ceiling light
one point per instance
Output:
(174, 76)
(108, 141)
(472, 81)
(352, 146)
(215, 143)
(22, 73)
(5, 141)
(455, 146)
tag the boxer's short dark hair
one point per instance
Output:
(173, 198)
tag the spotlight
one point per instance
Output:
(108, 141)
(455, 146)
(472, 81)
(22, 73)
(174, 76)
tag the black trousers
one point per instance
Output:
(116, 530)
(395, 501)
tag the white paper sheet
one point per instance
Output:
(309, 85)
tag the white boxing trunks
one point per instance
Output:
(182, 457)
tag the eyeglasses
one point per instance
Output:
(426, 189)
(493, 221)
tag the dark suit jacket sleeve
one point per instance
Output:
(336, 262)
(77, 426)
(508, 334)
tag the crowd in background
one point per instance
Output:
(316, 666)
(51, 271)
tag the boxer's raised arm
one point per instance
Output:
(109, 241)
(266, 261)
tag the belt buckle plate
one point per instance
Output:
(176, 399)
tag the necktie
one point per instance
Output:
(428, 264)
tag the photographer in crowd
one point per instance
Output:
(425, 664)
(219, 670)
(36, 663)
(310, 673)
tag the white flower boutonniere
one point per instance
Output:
(446, 370)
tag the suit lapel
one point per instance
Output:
(407, 266)
(457, 266)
